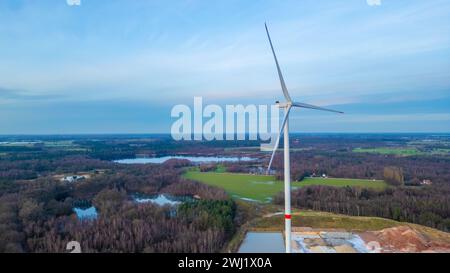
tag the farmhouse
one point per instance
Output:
(426, 182)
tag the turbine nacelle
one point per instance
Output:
(283, 104)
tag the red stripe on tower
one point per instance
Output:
(287, 216)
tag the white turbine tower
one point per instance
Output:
(285, 127)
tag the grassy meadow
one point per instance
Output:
(263, 187)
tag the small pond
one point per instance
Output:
(89, 213)
(263, 242)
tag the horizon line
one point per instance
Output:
(110, 134)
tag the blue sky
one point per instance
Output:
(119, 66)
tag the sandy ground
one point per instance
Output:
(401, 239)
(327, 241)
(404, 239)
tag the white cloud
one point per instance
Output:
(73, 2)
(373, 2)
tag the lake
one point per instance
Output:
(160, 200)
(263, 242)
(89, 213)
(194, 159)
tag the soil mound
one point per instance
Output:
(407, 239)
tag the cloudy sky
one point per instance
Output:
(119, 66)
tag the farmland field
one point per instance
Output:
(263, 187)
(64, 145)
(343, 182)
(441, 151)
(402, 151)
(389, 151)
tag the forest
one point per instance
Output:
(36, 215)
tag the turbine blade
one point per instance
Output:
(309, 106)
(280, 75)
(286, 116)
(273, 153)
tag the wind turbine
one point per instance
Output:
(287, 105)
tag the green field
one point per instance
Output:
(389, 151)
(18, 144)
(343, 182)
(263, 187)
(67, 145)
(441, 151)
(402, 151)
